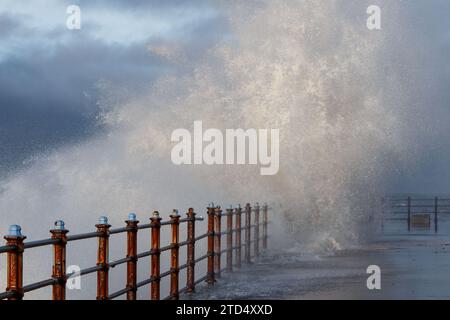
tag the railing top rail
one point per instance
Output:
(40, 243)
(84, 236)
(5, 249)
(418, 199)
(144, 226)
(119, 230)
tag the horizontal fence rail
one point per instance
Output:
(16, 245)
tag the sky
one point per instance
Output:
(426, 37)
(54, 81)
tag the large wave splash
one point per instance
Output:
(308, 68)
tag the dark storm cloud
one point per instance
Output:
(47, 99)
(8, 24)
(12, 26)
(49, 78)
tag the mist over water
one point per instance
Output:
(308, 68)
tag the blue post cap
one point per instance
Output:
(59, 225)
(132, 217)
(175, 212)
(211, 205)
(103, 220)
(15, 231)
(155, 214)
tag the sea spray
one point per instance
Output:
(301, 66)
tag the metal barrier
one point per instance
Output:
(15, 246)
(406, 209)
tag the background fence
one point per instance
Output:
(235, 243)
(417, 213)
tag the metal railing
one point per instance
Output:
(15, 247)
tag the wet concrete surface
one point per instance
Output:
(412, 267)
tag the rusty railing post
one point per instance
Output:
(59, 261)
(102, 258)
(210, 273)
(248, 211)
(15, 262)
(238, 236)
(230, 239)
(257, 229)
(190, 277)
(174, 261)
(265, 222)
(156, 256)
(218, 242)
(132, 229)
